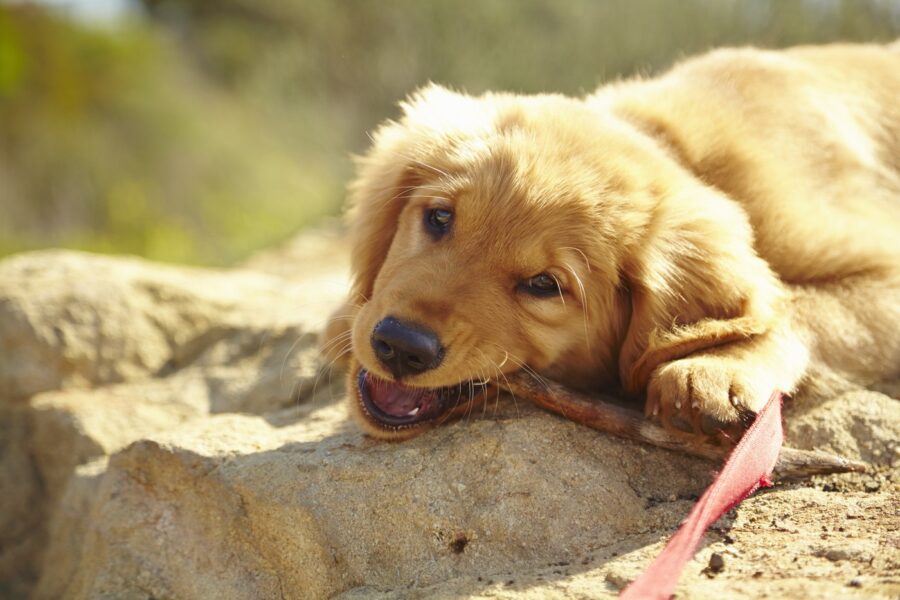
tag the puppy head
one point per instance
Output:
(480, 249)
(504, 232)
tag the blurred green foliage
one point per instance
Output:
(198, 131)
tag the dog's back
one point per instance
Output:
(817, 125)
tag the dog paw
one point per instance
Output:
(707, 395)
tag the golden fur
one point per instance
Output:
(725, 229)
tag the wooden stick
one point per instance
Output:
(595, 412)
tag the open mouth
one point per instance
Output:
(396, 406)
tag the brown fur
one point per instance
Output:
(718, 231)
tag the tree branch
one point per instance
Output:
(602, 415)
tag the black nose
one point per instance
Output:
(406, 348)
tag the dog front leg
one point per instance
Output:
(848, 327)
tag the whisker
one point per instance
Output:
(472, 385)
(413, 160)
(559, 288)
(356, 305)
(341, 337)
(587, 336)
(507, 355)
(497, 387)
(484, 379)
(401, 191)
(449, 412)
(329, 370)
(513, 394)
(587, 263)
(287, 355)
(471, 400)
(528, 370)
(424, 164)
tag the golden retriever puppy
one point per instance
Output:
(701, 238)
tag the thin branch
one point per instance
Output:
(602, 415)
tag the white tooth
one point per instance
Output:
(413, 412)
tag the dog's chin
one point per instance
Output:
(391, 410)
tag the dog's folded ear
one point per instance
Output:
(377, 196)
(696, 282)
(390, 171)
(385, 179)
(401, 156)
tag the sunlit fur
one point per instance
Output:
(717, 231)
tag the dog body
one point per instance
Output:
(703, 238)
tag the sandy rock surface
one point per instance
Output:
(171, 433)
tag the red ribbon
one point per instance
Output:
(748, 467)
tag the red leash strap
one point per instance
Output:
(748, 467)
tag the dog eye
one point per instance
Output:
(542, 284)
(438, 220)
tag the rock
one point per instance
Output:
(861, 551)
(249, 372)
(318, 509)
(99, 351)
(69, 527)
(323, 258)
(21, 535)
(716, 562)
(858, 423)
(171, 432)
(617, 580)
(69, 319)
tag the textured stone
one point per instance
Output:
(171, 433)
(314, 508)
(21, 533)
(96, 352)
(861, 424)
(70, 319)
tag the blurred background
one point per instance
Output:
(198, 131)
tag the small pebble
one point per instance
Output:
(716, 562)
(836, 554)
(617, 579)
(855, 582)
(781, 525)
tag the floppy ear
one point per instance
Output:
(384, 182)
(382, 185)
(385, 179)
(696, 282)
(400, 158)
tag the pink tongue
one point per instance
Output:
(396, 400)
